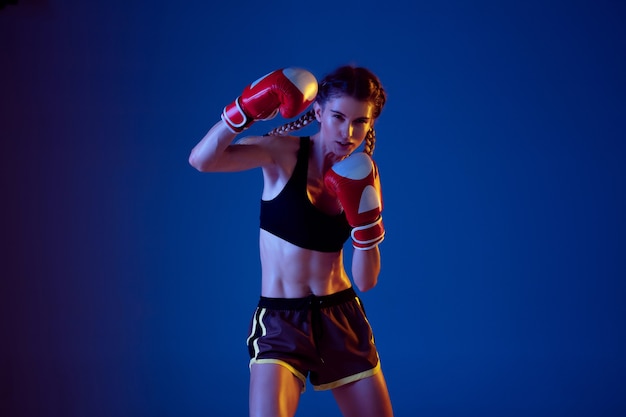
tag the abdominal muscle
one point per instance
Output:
(288, 271)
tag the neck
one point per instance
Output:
(321, 157)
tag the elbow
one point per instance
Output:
(365, 285)
(366, 269)
(196, 162)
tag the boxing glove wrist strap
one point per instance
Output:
(235, 118)
(368, 236)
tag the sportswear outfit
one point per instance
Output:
(326, 338)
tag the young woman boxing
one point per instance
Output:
(318, 193)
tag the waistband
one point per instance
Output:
(305, 303)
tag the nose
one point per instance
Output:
(348, 130)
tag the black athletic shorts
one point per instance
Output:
(327, 338)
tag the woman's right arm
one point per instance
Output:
(288, 91)
(216, 152)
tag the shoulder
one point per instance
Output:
(277, 142)
(284, 155)
(278, 147)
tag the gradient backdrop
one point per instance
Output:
(128, 278)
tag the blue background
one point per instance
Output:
(128, 278)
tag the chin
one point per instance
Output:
(344, 150)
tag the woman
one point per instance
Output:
(309, 320)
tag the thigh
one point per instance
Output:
(274, 391)
(365, 397)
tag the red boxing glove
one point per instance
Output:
(356, 184)
(288, 90)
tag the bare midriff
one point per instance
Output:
(289, 271)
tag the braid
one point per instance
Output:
(370, 142)
(298, 124)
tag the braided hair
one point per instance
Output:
(356, 82)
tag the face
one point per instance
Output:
(344, 123)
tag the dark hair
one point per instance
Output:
(356, 82)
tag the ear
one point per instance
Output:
(318, 111)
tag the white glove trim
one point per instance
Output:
(373, 242)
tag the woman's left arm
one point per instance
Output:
(366, 268)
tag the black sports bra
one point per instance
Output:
(292, 217)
